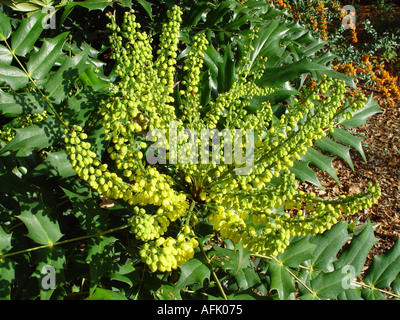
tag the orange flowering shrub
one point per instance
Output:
(375, 75)
(324, 17)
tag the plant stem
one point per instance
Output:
(34, 83)
(289, 271)
(213, 273)
(364, 285)
(49, 245)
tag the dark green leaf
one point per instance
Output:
(12, 104)
(105, 294)
(328, 285)
(384, 269)
(281, 281)
(100, 256)
(320, 161)
(356, 253)
(305, 174)
(346, 137)
(42, 228)
(13, 76)
(40, 63)
(5, 55)
(39, 136)
(328, 245)
(28, 32)
(193, 271)
(5, 26)
(56, 164)
(361, 116)
(297, 252)
(327, 145)
(5, 241)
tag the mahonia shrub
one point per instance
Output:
(153, 120)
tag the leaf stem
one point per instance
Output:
(289, 271)
(36, 86)
(213, 273)
(49, 245)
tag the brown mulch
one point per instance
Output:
(381, 145)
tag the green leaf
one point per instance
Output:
(50, 257)
(350, 294)
(63, 80)
(327, 145)
(320, 161)
(346, 137)
(12, 104)
(193, 271)
(42, 228)
(305, 174)
(39, 136)
(328, 245)
(297, 252)
(28, 32)
(6, 56)
(277, 75)
(226, 71)
(328, 285)
(7, 272)
(56, 164)
(99, 258)
(361, 116)
(86, 209)
(146, 6)
(5, 241)
(369, 294)
(105, 294)
(281, 280)
(5, 26)
(356, 253)
(13, 76)
(40, 63)
(384, 269)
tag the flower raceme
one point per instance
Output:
(148, 120)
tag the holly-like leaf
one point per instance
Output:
(5, 241)
(42, 227)
(297, 252)
(346, 137)
(63, 80)
(5, 26)
(49, 260)
(106, 294)
(361, 116)
(39, 136)
(99, 258)
(384, 269)
(305, 174)
(13, 76)
(56, 164)
(320, 161)
(328, 285)
(42, 61)
(193, 271)
(28, 32)
(7, 272)
(327, 145)
(12, 104)
(327, 245)
(281, 280)
(5, 55)
(86, 209)
(356, 253)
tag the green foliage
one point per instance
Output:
(76, 197)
